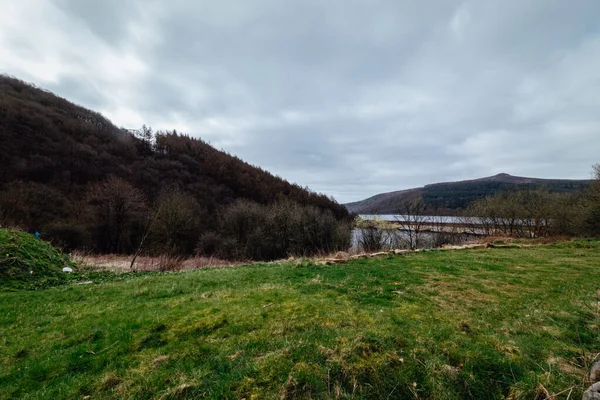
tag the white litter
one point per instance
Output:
(84, 283)
(67, 269)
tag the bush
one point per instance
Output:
(32, 205)
(591, 215)
(268, 232)
(67, 235)
(118, 213)
(213, 244)
(538, 213)
(176, 224)
(528, 213)
(375, 234)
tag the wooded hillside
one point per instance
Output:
(59, 159)
(451, 198)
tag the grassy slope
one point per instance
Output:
(27, 262)
(445, 325)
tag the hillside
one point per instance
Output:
(449, 198)
(473, 324)
(56, 156)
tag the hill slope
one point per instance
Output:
(53, 151)
(449, 198)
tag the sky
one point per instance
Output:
(348, 97)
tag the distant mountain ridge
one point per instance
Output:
(449, 198)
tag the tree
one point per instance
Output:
(176, 224)
(374, 234)
(32, 205)
(117, 211)
(592, 200)
(57, 157)
(412, 221)
(250, 230)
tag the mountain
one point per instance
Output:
(449, 198)
(54, 151)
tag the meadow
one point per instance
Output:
(518, 323)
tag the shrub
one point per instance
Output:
(213, 244)
(591, 215)
(31, 205)
(68, 235)
(117, 211)
(278, 230)
(375, 234)
(176, 224)
(527, 213)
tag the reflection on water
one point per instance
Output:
(433, 219)
(402, 239)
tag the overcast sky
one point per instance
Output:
(348, 97)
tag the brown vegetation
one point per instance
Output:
(83, 183)
(539, 213)
(122, 263)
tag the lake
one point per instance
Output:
(443, 219)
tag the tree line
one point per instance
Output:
(83, 183)
(514, 212)
(539, 213)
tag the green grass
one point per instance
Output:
(482, 324)
(27, 262)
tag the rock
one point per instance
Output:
(381, 253)
(451, 247)
(67, 269)
(341, 255)
(477, 246)
(335, 261)
(595, 372)
(398, 251)
(593, 392)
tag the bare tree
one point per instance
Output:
(374, 234)
(412, 220)
(592, 204)
(116, 207)
(176, 224)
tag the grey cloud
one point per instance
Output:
(350, 98)
(80, 89)
(107, 19)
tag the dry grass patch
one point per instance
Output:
(122, 263)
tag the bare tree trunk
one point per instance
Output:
(411, 220)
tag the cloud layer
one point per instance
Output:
(348, 97)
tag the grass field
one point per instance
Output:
(516, 323)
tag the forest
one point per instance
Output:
(83, 183)
(455, 198)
